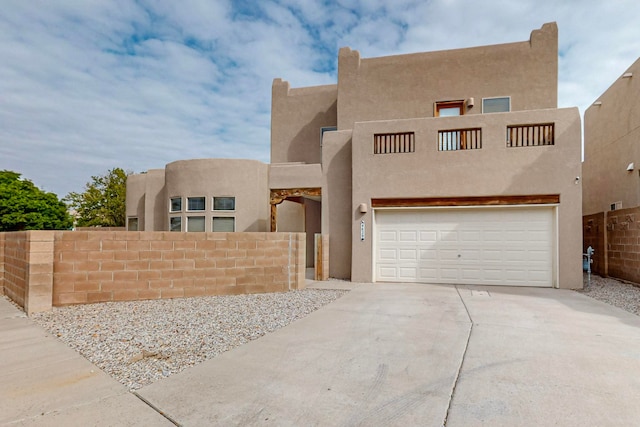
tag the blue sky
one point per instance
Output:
(89, 85)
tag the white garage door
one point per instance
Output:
(489, 246)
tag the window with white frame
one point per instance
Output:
(224, 203)
(496, 105)
(195, 204)
(175, 223)
(223, 224)
(195, 223)
(175, 204)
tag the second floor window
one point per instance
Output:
(224, 203)
(195, 203)
(449, 108)
(175, 204)
(496, 105)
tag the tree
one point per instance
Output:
(23, 206)
(103, 203)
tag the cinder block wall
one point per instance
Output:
(2, 239)
(623, 244)
(41, 269)
(122, 266)
(14, 276)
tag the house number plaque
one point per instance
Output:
(362, 231)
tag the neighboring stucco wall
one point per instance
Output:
(336, 201)
(246, 180)
(407, 86)
(492, 170)
(296, 118)
(611, 135)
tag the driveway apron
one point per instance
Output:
(384, 354)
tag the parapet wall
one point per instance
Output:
(41, 269)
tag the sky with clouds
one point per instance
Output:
(89, 85)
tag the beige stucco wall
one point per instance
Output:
(135, 198)
(336, 201)
(146, 200)
(246, 180)
(611, 135)
(295, 175)
(296, 118)
(407, 86)
(492, 170)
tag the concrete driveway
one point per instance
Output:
(382, 355)
(428, 355)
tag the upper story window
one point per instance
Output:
(175, 204)
(224, 203)
(195, 203)
(496, 105)
(449, 108)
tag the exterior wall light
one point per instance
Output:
(598, 103)
(627, 75)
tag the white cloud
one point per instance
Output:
(86, 86)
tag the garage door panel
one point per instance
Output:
(492, 236)
(512, 246)
(408, 254)
(471, 236)
(448, 255)
(387, 236)
(449, 273)
(449, 236)
(428, 254)
(408, 236)
(428, 236)
(428, 274)
(387, 273)
(408, 272)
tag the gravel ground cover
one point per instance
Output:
(139, 342)
(615, 292)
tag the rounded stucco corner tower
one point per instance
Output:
(201, 195)
(217, 195)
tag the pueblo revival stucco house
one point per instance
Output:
(439, 167)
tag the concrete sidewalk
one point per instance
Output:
(384, 354)
(45, 383)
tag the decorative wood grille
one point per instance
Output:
(530, 135)
(460, 139)
(391, 143)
